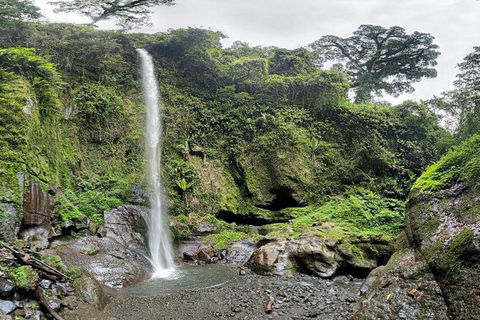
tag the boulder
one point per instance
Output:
(321, 257)
(120, 257)
(6, 289)
(6, 307)
(195, 250)
(435, 273)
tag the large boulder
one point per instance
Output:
(441, 246)
(322, 257)
(196, 250)
(119, 256)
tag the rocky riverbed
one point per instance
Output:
(245, 296)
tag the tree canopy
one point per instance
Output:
(127, 13)
(463, 103)
(381, 60)
(18, 10)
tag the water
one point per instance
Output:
(186, 278)
(159, 240)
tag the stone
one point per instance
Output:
(119, 257)
(6, 307)
(367, 283)
(55, 304)
(45, 283)
(6, 289)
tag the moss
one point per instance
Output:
(430, 227)
(458, 249)
(223, 239)
(24, 277)
(434, 251)
(460, 164)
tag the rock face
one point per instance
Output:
(196, 251)
(323, 258)
(8, 222)
(435, 273)
(37, 219)
(120, 256)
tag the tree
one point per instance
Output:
(18, 10)
(381, 60)
(127, 13)
(463, 103)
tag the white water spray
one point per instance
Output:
(158, 239)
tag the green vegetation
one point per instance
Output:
(244, 129)
(24, 277)
(462, 164)
(359, 214)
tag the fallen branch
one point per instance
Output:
(34, 262)
(44, 303)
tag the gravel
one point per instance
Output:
(245, 297)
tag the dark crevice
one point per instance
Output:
(242, 219)
(357, 272)
(283, 199)
(238, 175)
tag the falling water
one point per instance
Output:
(158, 239)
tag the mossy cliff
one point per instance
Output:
(442, 235)
(253, 136)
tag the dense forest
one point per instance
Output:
(259, 142)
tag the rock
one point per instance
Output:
(8, 222)
(6, 289)
(206, 229)
(118, 258)
(139, 196)
(6, 307)
(90, 291)
(370, 279)
(312, 255)
(55, 304)
(194, 250)
(45, 284)
(36, 225)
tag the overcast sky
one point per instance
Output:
(455, 24)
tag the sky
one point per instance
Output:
(455, 24)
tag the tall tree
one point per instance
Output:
(463, 103)
(18, 10)
(380, 60)
(127, 13)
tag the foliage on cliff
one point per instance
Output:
(249, 130)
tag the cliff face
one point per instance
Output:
(436, 269)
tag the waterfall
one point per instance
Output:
(158, 238)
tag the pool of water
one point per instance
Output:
(183, 279)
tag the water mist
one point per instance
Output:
(158, 238)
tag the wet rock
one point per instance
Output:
(37, 222)
(195, 250)
(6, 289)
(45, 284)
(6, 307)
(90, 291)
(55, 304)
(139, 196)
(120, 257)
